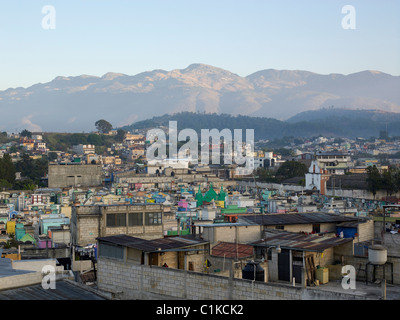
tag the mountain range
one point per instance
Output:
(75, 103)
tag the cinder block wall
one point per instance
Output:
(358, 262)
(129, 281)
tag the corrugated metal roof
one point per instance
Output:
(232, 250)
(299, 241)
(350, 224)
(152, 245)
(63, 291)
(294, 218)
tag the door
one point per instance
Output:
(181, 260)
(297, 272)
(153, 259)
(297, 265)
(284, 265)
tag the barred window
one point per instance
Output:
(153, 218)
(116, 220)
(135, 219)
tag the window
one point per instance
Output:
(269, 254)
(316, 228)
(116, 220)
(110, 220)
(135, 219)
(153, 218)
(280, 227)
(111, 251)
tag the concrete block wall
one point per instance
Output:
(356, 262)
(88, 231)
(366, 231)
(241, 234)
(84, 175)
(89, 222)
(61, 236)
(128, 281)
(81, 265)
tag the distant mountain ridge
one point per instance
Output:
(326, 122)
(73, 104)
(323, 113)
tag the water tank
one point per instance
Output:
(253, 269)
(377, 254)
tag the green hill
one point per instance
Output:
(349, 124)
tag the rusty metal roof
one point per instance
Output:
(299, 241)
(232, 250)
(161, 244)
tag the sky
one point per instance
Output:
(94, 37)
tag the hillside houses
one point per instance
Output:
(102, 215)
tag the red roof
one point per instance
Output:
(232, 250)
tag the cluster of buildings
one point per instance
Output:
(363, 151)
(34, 145)
(128, 231)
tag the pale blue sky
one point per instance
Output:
(128, 36)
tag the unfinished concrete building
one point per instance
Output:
(93, 221)
(74, 175)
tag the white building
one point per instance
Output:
(84, 148)
(37, 136)
(240, 200)
(334, 162)
(158, 166)
(269, 160)
(313, 177)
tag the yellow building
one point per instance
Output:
(220, 204)
(66, 210)
(112, 160)
(12, 256)
(10, 227)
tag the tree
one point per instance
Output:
(4, 184)
(25, 165)
(94, 139)
(52, 156)
(32, 169)
(120, 135)
(11, 243)
(389, 182)
(7, 169)
(26, 133)
(103, 126)
(291, 169)
(264, 175)
(374, 180)
(77, 138)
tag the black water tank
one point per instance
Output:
(248, 271)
